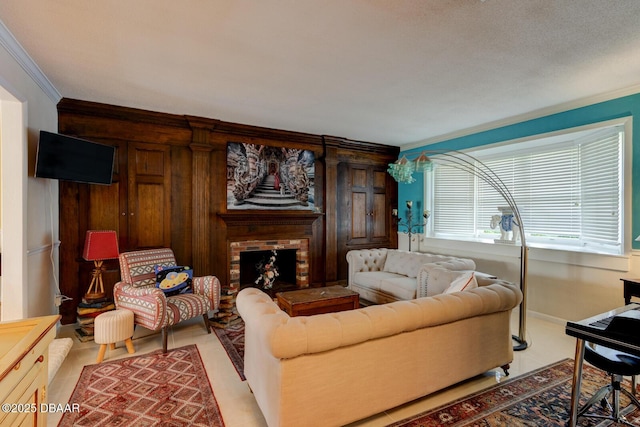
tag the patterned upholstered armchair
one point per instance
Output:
(151, 308)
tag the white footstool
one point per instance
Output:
(111, 327)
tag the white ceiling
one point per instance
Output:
(394, 72)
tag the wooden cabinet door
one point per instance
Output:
(106, 205)
(359, 206)
(149, 195)
(379, 214)
(138, 202)
(364, 213)
(364, 217)
(367, 207)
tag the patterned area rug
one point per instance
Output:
(232, 339)
(169, 389)
(538, 398)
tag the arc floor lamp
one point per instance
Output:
(402, 171)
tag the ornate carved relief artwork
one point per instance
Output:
(267, 177)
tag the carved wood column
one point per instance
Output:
(201, 193)
(331, 208)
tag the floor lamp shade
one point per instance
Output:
(98, 246)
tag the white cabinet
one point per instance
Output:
(24, 358)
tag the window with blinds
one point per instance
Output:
(569, 192)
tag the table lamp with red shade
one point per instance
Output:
(99, 245)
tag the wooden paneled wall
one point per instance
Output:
(169, 189)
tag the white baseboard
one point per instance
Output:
(546, 317)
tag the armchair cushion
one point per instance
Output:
(185, 306)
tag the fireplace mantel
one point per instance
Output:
(269, 217)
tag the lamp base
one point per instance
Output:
(96, 288)
(521, 344)
(89, 296)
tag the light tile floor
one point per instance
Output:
(547, 343)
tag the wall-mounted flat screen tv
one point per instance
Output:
(73, 159)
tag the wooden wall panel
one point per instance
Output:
(380, 226)
(379, 179)
(330, 207)
(358, 213)
(182, 232)
(149, 195)
(359, 177)
(104, 210)
(170, 190)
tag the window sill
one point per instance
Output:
(480, 249)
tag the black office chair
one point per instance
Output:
(617, 364)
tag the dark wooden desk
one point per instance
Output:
(631, 289)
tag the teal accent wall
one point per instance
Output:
(627, 106)
(414, 192)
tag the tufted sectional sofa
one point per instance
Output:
(387, 275)
(335, 368)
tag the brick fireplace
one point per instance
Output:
(228, 313)
(251, 230)
(302, 258)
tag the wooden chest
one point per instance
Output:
(306, 302)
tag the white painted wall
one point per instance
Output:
(29, 206)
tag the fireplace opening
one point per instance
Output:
(256, 265)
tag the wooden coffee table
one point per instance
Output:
(305, 302)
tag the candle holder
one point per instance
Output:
(408, 223)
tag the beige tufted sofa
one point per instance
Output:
(336, 368)
(386, 275)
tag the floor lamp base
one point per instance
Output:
(522, 344)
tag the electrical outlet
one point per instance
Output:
(58, 300)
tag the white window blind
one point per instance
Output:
(569, 193)
(601, 196)
(453, 208)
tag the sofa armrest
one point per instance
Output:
(126, 289)
(365, 260)
(261, 316)
(439, 272)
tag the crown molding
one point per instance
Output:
(22, 57)
(536, 114)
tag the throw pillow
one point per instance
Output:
(462, 283)
(404, 263)
(174, 280)
(394, 262)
